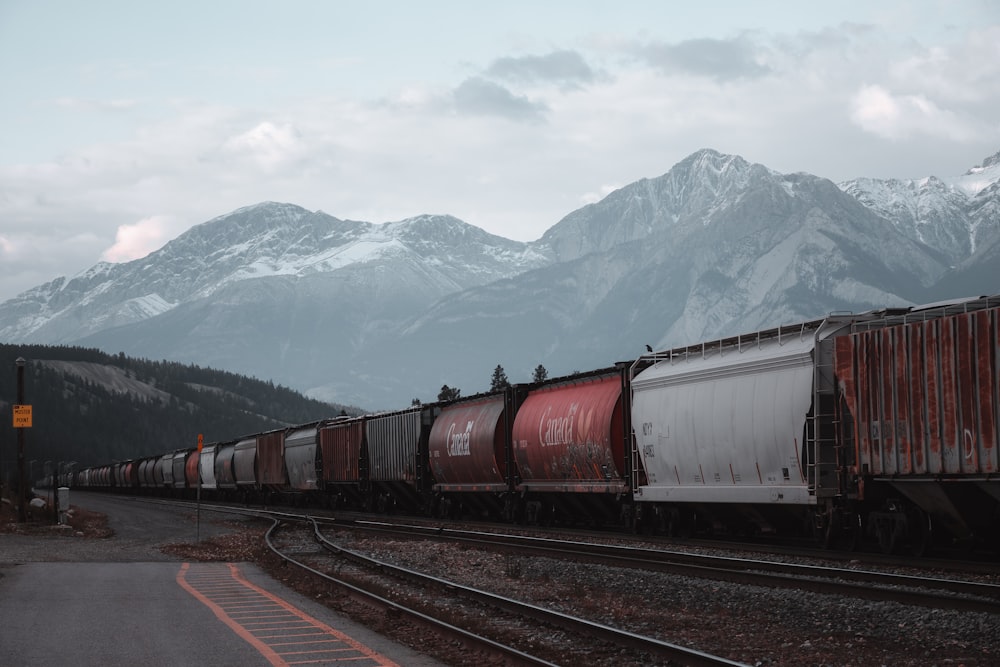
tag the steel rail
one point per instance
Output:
(367, 597)
(615, 636)
(931, 592)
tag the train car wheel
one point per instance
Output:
(923, 532)
(852, 532)
(829, 525)
(890, 529)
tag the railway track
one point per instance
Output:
(928, 591)
(936, 592)
(460, 612)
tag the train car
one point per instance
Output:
(344, 462)
(130, 477)
(104, 477)
(302, 458)
(271, 472)
(146, 475)
(206, 468)
(225, 471)
(470, 458)
(116, 474)
(397, 450)
(734, 435)
(165, 471)
(920, 415)
(882, 425)
(179, 481)
(570, 440)
(245, 466)
(89, 478)
(192, 471)
(157, 468)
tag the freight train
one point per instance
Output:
(880, 426)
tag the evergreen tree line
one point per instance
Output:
(498, 382)
(78, 419)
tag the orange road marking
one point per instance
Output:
(257, 616)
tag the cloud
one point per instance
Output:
(947, 91)
(601, 192)
(138, 240)
(477, 96)
(901, 116)
(719, 59)
(511, 150)
(567, 67)
(271, 146)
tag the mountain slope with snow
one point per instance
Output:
(259, 242)
(952, 215)
(375, 315)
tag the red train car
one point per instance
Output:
(919, 395)
(570, 441)
(468, 451)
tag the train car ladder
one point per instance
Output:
(824, 459)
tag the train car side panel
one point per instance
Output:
(206, 465)
(392, 446)
(467, 447)
(192, 469)
(225, 472)
(300, 458)
(341, 446)
(700, 443)
(567, 437)
(917, 386)
(934, 386)
(271, 459)
(245, 463)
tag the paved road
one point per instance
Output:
(121, 601)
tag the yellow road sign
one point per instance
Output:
(22, 416)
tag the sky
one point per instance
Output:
(126, 123)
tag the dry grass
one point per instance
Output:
(81, 522)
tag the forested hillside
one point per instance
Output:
(91, 407)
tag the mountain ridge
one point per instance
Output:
(370, 314)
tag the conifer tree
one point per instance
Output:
(448, 394)
(499, 380)
(541, 375)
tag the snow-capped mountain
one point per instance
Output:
(437, 255)
(715, 246)
(375, 315)
(952, 215)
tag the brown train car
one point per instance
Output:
(343, 461)
(271, 460)
(920, 396)
(468, 457)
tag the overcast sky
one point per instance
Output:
(126, 123)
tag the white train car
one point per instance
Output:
(728, 437)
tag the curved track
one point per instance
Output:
(465, 605)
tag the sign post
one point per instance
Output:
(201, 445)
(22, 420)
(22, 416)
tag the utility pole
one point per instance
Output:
(22, 420)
